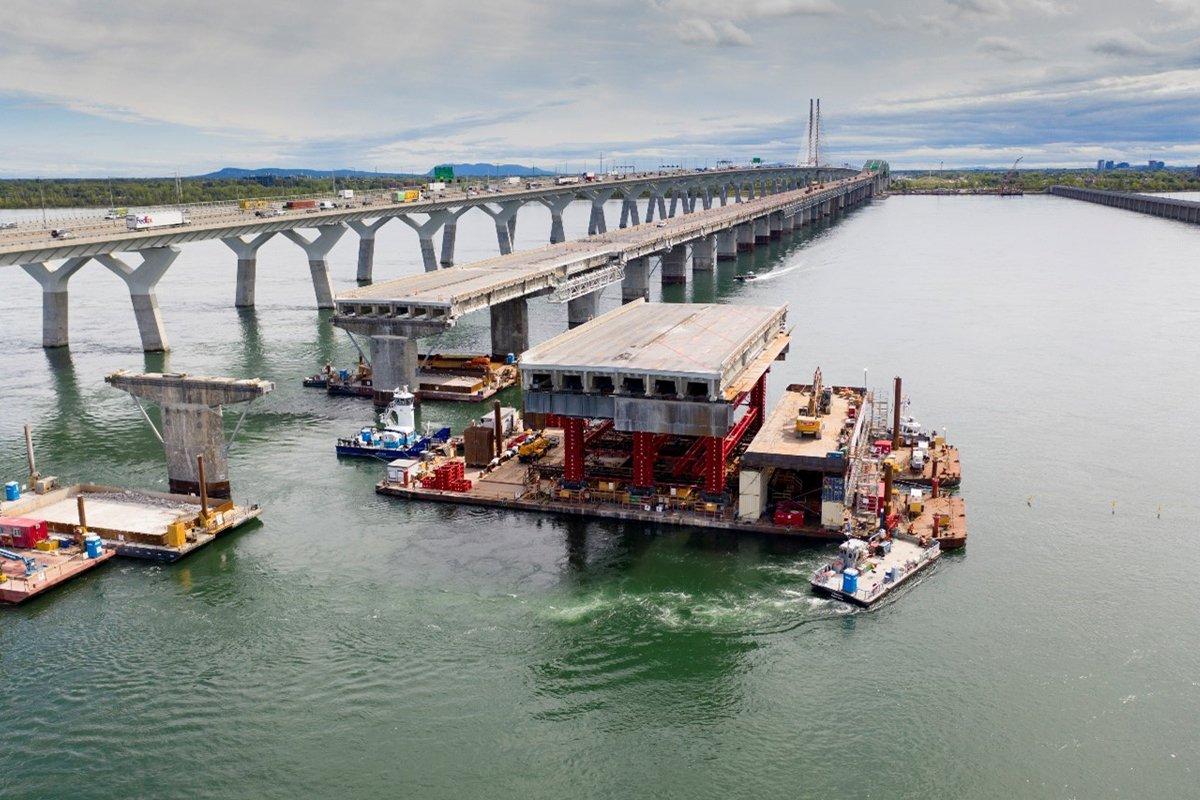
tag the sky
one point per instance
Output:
(153, 88)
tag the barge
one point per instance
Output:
(32, 561)
(450, 378)
(661, 415)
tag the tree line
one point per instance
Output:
(1040, 180)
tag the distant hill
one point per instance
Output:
(237, 173)
(485, 170)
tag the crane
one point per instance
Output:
(1008, 184)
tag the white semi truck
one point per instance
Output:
(156, 218)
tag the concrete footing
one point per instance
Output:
(510, 328)
(745, 237)
(727, 245)
(762, 230)
(393, 365)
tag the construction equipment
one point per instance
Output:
(809, 424)
(535, 448)
(31, 566)
(1008, 184)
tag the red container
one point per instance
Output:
(21, 532)
(300, 204)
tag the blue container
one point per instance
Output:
(886, 545)
(12, 491)
(91, 544)
(510, 359)
(344, 374)
(850, 580)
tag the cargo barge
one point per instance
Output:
(644, 414)
(450, 378)
(33, 561)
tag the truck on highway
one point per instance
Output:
(437, 186)
(293, 205)
(157, 218)
(327, 205)
(346, 194)
(252, 205)
(564, 180)
(406, 195)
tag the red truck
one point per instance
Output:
(298, 204)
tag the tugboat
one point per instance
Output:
(394, 435)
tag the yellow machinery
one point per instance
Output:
(809, 423)
(534, 448)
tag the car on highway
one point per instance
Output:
(61, 233)
(7, 226)
(268, 212)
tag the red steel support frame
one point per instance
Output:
(645, 453)
(573, 449)
(758, 402)
(714, 465)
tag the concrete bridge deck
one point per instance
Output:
(1169, 207)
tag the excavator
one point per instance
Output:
(809, 423)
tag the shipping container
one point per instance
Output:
(159, 218)
(21, 532)
(437, 186)
(346, 194)
(294, 204)
(251, 205)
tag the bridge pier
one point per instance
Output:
(142, 282)
(727, 245)
(366, 246)
(636, 283)
(425, 233)
(393, 365)
(674, 264)
(596, 222)
(745, 237)
(557, 205)
(247, 266)
(583, 309)
(510, 328)
(762, 230)
(505, 218)
(450, 235)
(55, 331)
(703, 253)
(317, 250)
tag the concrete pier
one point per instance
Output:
(674, 264)
(393, 365)
(142, 282)
(596, 222)
(745, 237)
(704, 253)
(727, 245)
(55, 332)
(450, 236)
(191, 422)
(425, 233)
(317, 250)
(583, 309)
(636, 283)
(247, 266)
(366, 245)
(762, 230)
(510, 328)
(505, 218)
(557, 205)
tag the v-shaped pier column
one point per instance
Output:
(142, 282)
(317, 251)
(55, 332)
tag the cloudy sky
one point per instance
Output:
(151, 87)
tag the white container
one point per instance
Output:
(154, 218)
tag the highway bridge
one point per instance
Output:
(52, 261)
(394, 314)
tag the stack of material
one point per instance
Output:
(479, 446)
(449, 477)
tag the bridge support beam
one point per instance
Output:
(247, 266)
(142, 282)
(636, 283)
(583, 309)
(366, 246)
(450, 235)
(703, 253)
(727, 245)
(510, 328)
(393, 365)
(317, 250)
(557, 205)
(55, 330)
(745, 237)
(674, 265)
(596, 222)
(425, 233)
(775, 223)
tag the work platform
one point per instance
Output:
(778, 445)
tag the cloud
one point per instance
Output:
(1004, 48)
(983, 8)
(720, 33)
(1124, 44)
(751, 9)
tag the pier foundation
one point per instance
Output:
(727, 245)
(557, 205)
(393, 365)
(762, 230)
(704, 253)
(674, 265)
(745, 237)
(583, 309)
(636, 283)
(510, 328)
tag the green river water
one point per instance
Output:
(356, 646)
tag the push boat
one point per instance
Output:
(394, 435)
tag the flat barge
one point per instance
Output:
(661, 415)
(32, 561)
(133, 522)
(449, 378)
